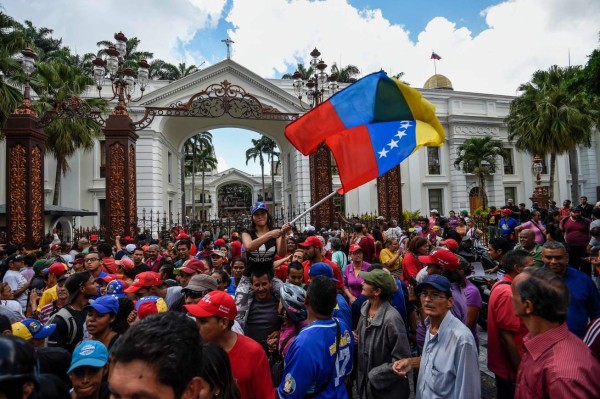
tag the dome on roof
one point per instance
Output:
(438, 82)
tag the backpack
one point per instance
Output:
(69, 320)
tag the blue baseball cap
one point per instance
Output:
(116, 288)
(32, 328)
(105, 304)
(322, 269)
(438, 282)
(89, 353)
(258, 206)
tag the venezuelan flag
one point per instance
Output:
(372, 99)
(366, 152)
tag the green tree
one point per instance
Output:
(552, 116)
(270, 149)
(12, 40)
(132, 54)
(307, 73)
(258, 150)
(346, 74)
(479, 155)
(162, 70)
(44, 44)
(196, 148)
(56, 82)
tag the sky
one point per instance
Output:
(487, 46)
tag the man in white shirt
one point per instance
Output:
(15, 280)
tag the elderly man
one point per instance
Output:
(448, 367)
(153, 260)
(585, 299)
(527, 243)
(555, 363)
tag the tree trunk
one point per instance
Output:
(482, 190)
(203, 193)
(273, 186)
(182, 166)
(57, 181)
(194, 182)
(552, 173)
(574, 169)
(262, 174)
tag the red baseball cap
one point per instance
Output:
(108, 278)
(58, 269)
(192, 266)
(54, 247)
(219, 242)
(126, 263)
(451, 244)
(94, 237)
(443, 258)
(183, 236)
(144, 279)
(354, 248)
(311, 241)
(215, 303)
(505, 210)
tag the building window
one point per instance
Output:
(510, 193)
(433, 161)
(509, 167)
(102, 159)
(334, 169)
(545, 163)
(339, 204)
(436, 199)
(170, 166)
(171, 211)
(102, 211)
(289, 167)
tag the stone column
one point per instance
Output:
(121, 204)
(25, 147)
(389, 194)
(320, 187)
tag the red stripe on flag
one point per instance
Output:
(313, 128)
(354, 156)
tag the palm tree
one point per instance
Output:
(346, 74)
(43, 43)
(56, 82)
(12, 41)
(306, 73)
(132, 55)
(259, 149)
(550, 117)
(162, 70)
(269, 147)
(206, 160)
(194, 146)
(478, 155)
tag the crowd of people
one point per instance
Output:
(344, 311)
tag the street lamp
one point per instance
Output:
(540, 195)
(28, 66)
(317, 86)
(123, 81)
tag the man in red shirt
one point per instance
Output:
(314, 254)
(505, 330)
(555, 362)
(361, 238)
(566, 208)
(576, 229)
(215, 314)
(235, 246)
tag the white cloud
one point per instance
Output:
(273, 35)
(523, 35)
(222, 164)
(160, 25)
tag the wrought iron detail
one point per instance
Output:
(215, 101)
(73, 108)
(389, 194)
(37, 194)
(18, 194)
(117, 189)
(321, 186)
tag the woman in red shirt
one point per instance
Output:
(418, 246)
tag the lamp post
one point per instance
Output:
(316, 89)
(540, 195)
(119, 132)
(25, 146)
(317, 86)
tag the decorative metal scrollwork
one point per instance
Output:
(73, 108)
(215, 101)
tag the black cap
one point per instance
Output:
(75, 282)
(576, 209)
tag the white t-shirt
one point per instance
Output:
(16, 281)
(13, 306)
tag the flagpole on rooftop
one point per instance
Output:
(312, 207)
(434, 64)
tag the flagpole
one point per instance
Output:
(313, 207)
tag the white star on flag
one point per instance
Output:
(393, 144)
(401, 133)
(383, 153)
(405, 124)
